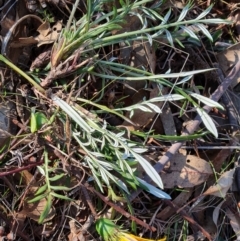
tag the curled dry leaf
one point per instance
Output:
(227, 59)
(234, 221)
(186, 171)
(222, 186)
(47, 35)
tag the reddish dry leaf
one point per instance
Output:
(186, 171)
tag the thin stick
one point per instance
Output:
(19, 169)
(122, 211)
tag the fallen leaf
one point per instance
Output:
(34, 210)
(234, 221)
(227, 59)
(47, 35)
(44, 29)
(186, 171)
(223, 184)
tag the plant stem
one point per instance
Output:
(19, 71)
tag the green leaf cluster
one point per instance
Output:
(48, 190)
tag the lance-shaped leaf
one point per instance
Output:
(207, 121)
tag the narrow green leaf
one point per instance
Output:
(41, 190)
(46, 209)
(60, 188)
(139, 150)
(207, 121)
(33, 123)
(104, 176)
(147, 167)
(205, 31)
(38, 198)
(207, 101)
(179, 42)
(184, 80)
(41, 170)
(205, 12)
(190, 32)
(169, 37)
(153, 77)
(57, 177)
(166, 17)
(61, 196)
(154, 107)
(184, 12)
(71, 112)
(153, 190)
(105, 108)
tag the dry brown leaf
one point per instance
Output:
(227, 59)
(223, 185)
(186, 171)
(41, 60)
(79, 234)
(44, 29)
(22, 42)
(235, 18)
(234, 221)
(48, 35)
(34, 210)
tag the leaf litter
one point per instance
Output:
(92, 109)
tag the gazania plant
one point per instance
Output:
(112, 232)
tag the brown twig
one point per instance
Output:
(19, 169)
(89, 201)
(122, 211)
